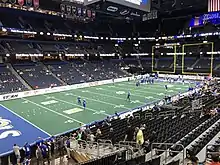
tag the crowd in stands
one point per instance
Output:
(40, 75)
(9, 82)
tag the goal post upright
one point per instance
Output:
(174, 61)
(211, 58)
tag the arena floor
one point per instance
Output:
(55, 113)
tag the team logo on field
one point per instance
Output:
(6, 129)
(5, 124)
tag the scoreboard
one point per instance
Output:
(126, 8)
(143, 5)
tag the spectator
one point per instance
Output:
(45, 152)
(39, 141)
(98, 134)
(140, 137)
(106, 122)
(92, 137)
(67, 145)
(87, 130)
(60, 144)
(84, 135)
(16, 150)
(117, 115)
(38, 154)
(82, 128)
(79, 135)
(129, 134)
(49, 149)
(51, 141)
(194, 160)
(143, 126)
(27, 150)
(112, 136)
(215, 161)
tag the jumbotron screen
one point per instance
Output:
(143, 5)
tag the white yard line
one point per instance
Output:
(136, 90)
(60, 114)
(26, 120)
(124, 99)
(97, 100)
(93, 110)
(170, 90)
(155, 84)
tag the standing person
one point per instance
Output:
(166, 87)
(39, 141)
(128, 96)
(98, 134)
(67, 145)
(51, 141)
(60, 144)
(39, 156)
(129, 134)
(79, 100)
(16, 150)
(140, 137)
(27, 150)
(91, 137)
(112, 136)
(84, 104)
(79, 135)
(45, 152)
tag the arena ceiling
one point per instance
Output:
(166, 8)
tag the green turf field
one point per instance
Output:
(59, 112)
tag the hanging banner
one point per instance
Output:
(4, 1)
(29, 2)
(21, 2)
(89, 13)
(93, 14)
(36, 3)
(13, 1)
(68, 9)
(79, 11)
(74, 10)
(62, 8)
(84, 12)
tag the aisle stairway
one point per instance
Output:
(80, 157)
(13, 71)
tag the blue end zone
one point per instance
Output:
(16, 130)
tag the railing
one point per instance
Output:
(167, 150)
(167, 113)
(104, 141)
(119, 148)
(129, 144)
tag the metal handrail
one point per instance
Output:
(104, 141)
(166, 150)
(130, 143)
(91, 144)
(82, 142)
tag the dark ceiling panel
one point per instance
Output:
(50, 5)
